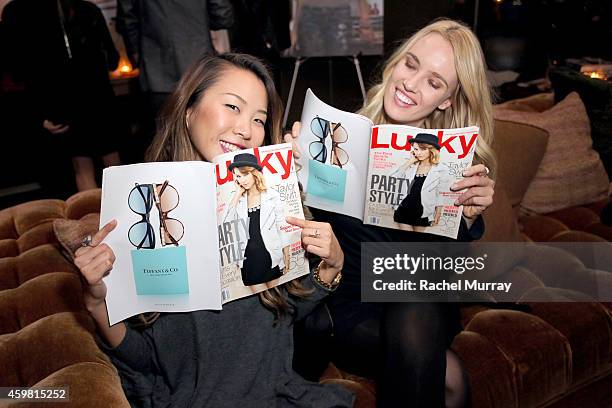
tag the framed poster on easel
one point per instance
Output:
(335, 28)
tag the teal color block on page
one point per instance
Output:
(161, 271)
(326, 181)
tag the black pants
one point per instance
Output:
(404, 349)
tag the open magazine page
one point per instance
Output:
(256, 190)
(334, 157)
(164, 242)
(410, 174)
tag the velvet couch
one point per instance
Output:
(46, 335)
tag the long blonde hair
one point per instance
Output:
(471, 103)
(172, 140)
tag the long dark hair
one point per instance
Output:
(172, 140)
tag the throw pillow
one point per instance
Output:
(597, 97)
(571, 172)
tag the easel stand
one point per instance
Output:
(296, 68)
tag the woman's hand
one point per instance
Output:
(95, 261)
(55, 129)
(318, 238)
(239, 192)
(479, 189)
(412, 161)
(291, 137)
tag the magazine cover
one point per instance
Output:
(394, 176)
(165, 247)
(256, 190)
(409, 177)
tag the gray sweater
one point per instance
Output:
(236, 357)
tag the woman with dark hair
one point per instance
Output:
(240, 356)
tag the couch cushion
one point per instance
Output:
(511, 137)
(481, 357)
(83, 203)
(33, 213)
(571, 172)
(542, 370)
(500, 222)
(590, 336)
(37, 261)
(83, 378)
(36, 236)
(47, 345)
(41, 296)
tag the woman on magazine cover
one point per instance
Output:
(424, 176)
(435, 79)
(266, 255)
(240, 356)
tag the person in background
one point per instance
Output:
(63, 52)
(163, 38)
(262, 30)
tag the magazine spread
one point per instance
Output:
(393, 176)
(194, 235)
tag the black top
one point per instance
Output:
(410, 210)
(257, 265)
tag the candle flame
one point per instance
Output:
(124, 69)
(596, 74)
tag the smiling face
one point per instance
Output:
(244, 179)
(230, 116)
(424, 80)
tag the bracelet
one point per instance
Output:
(331, 285)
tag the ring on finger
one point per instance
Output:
(315, 235)
(86, 242)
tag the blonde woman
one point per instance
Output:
(266, 255)
(435, 79)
